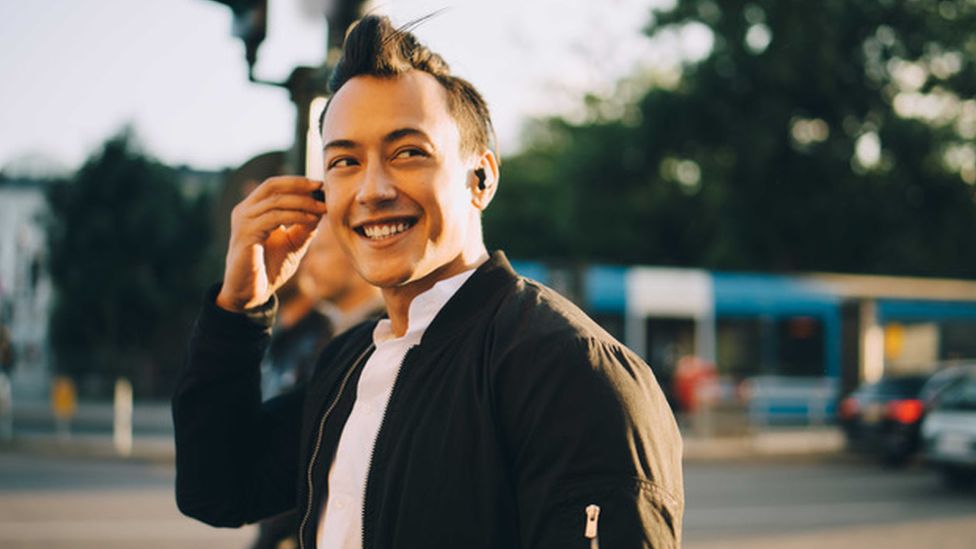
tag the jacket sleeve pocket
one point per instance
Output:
(610, 513)
(585, 424)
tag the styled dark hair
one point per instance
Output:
(374, 47)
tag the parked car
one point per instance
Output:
(946, 373)
(884, 417)
(949, 431)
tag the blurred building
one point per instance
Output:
(194, 183)
(784, 347)
(26, 290)
(25, 287)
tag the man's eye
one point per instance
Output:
(410, 152)
(342, 162)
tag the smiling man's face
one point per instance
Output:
(397, 184)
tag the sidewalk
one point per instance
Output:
(147, 417)
(91, 436)
(767, 443)
(35, 430)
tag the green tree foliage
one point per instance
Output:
(814, 136)
(127, 262)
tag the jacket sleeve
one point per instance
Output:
(236, 458)
(586, 424)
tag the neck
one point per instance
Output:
(356, 297)
(399, 298)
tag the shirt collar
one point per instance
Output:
(423, 309)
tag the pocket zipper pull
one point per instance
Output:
(592, 518)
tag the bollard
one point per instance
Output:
(122, 424)
(64, 404)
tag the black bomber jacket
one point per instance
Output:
(514, 414)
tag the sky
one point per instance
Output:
(77, 71)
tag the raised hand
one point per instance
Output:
(269, 233)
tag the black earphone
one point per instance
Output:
(480, 174)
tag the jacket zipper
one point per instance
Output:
(592, 521)
(318, 443)
(379, 433)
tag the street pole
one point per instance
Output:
(305, 83)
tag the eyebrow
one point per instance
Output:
(340, 144)
(404, 132)
(387, 139)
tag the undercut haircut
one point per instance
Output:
(374, 47)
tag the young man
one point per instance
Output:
(485, 412)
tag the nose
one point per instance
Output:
(377, 186)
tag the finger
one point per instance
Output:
(264, 224)
(286, 184)
(302, 203)
(293, 239)
(300, 235)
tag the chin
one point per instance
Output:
(386, 275)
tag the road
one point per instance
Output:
(52, 502)
(84, 503)
(837, 502)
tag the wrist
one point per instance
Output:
(229, 303)
(237, 320)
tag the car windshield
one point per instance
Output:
(959, 396)
(943, 378)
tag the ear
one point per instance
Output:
(484, 180)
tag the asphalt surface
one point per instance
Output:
(834, 501)
(839, 502)
(52, 502)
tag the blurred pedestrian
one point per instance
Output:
(6, 388)
(486, 411)
(695, 383)
(6, 351)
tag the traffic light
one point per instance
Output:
(250, 25)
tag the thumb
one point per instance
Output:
(284, 250)
(299, 236)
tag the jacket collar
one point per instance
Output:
(477, 294)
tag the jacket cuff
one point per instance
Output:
(252, 323)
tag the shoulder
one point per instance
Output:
(532, 313)
(538, 337)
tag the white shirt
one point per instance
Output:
(341, 524)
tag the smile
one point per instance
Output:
(385, 229)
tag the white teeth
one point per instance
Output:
(377, 232)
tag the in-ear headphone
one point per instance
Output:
(480, 174)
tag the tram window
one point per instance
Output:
(669, 339)
(958, 339)
(801, 346)
(739, 347)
